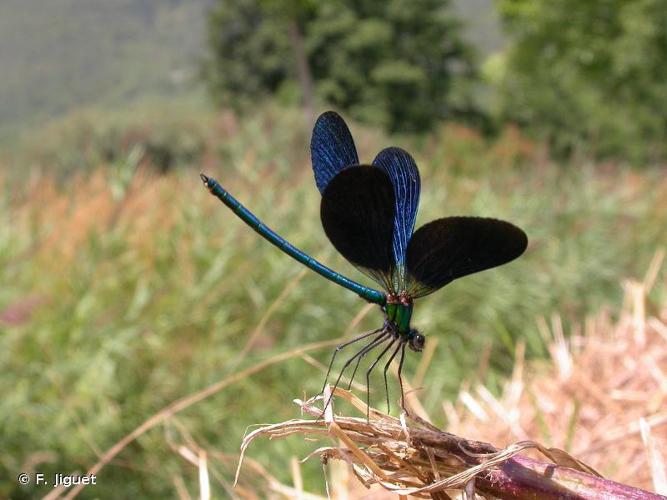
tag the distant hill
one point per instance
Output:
(57, 55)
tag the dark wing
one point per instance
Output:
(357, 214)
(446, 249)
(331, 148)
(404, 175)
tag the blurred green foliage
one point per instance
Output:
(400, 64)
(161, 134)
(124, 293)
(590, 77)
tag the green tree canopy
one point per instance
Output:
(398, 63)
(589, 75)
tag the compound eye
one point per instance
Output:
(420, 340)
(417, 342)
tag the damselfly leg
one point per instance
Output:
(383, 335)
(400, 377)
(386, 367)
(368, 376)
(343, 346)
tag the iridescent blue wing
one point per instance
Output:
(358, 212)
(446, 249)
(404, 175)
(331, 148)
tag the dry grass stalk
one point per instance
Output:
(409, 456)
(591, 399)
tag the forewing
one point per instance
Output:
(331, 148)
(404, 175)
(449, 248)
(357, 214)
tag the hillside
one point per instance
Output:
(63, 54)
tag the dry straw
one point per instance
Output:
(602, 397)
(409, 456)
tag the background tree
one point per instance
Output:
(588, 75)
(400, 63)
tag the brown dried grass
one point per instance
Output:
(604, 382)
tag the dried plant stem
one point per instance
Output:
(409, 456)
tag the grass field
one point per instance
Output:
(125, 290)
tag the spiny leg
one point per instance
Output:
(368, 377)
(386, 367)
(356, 367)
(365, 350)
(400, 378)
(342, 346)
(361, 353)
(354, 372)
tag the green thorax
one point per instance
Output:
(399, 311)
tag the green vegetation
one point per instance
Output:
(122, 294)
(588, 76)
(588, 79)
(400, 64)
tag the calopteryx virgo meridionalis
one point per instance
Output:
(369, 212)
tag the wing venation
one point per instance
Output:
(404, 175)
(331, 148)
